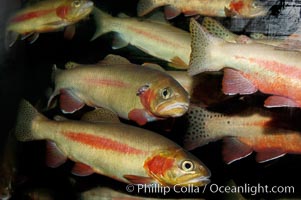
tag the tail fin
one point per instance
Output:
(217, 29)
(201, 42)
(102, 23)
(198, 133)
(146, 6)
(24, 124)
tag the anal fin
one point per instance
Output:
(235, 83)
(69, 103)
(119, 42)
(234, 150)
(279, 101)
(265, 156)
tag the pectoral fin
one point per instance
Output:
(81, 169)
(140, 116)
(138, 179)
(69, 32)
(10, 39)
(31, 37)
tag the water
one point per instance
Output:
(26, 72)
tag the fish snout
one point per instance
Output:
(173, 110)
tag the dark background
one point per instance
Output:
(25, 71)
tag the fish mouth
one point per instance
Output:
(173, 110)
(88, 4)
(197, 181)
(87, 8)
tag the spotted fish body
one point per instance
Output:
(155, 37)
(105, 146)
(133, 92)
(216, 8)
(251, 67)
(243, 133)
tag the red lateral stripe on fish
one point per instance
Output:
(101, 142)
(31, 15)
(159, 164)
(277, 67)
(258, 123)
(286, 142)
(106, 82)
(153, 36)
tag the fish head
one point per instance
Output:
(164, 98)
(74, 10)
(177, 167)
(248, 8)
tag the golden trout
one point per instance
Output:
(215, 8)
(107, 147)
(154, 37)
(250, 67)
(46, 16)
(137, 93)
(243, 133)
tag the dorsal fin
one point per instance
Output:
(60, 118)
(123, 15)
(153, 66)
(100, 115)
(71, 65)
(113, 59)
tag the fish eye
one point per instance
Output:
(76, 3)
(255, 5)
(166, 93)
(187, 166)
